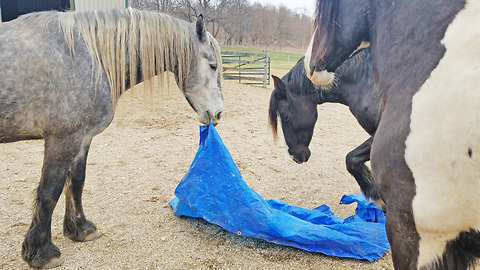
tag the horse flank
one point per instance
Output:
(117, 39)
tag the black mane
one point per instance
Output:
(296, 79)
(357, 67)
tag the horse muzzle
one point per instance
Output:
(300, 154)
(207, 117)
(322, 78)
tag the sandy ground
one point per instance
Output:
(136, 163)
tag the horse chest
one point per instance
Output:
(443, 147)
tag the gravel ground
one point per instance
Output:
(136, 163)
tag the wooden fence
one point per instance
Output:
(247, 68)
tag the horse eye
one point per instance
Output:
(213, 66)
(285, 117)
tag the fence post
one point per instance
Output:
(239, 70)
(266, 69)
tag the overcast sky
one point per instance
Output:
(301, 6)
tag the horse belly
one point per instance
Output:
(19, 118)
(32, 112)
(443, 147)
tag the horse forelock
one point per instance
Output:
(117, 38)
(272, 113)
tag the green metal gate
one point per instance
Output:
(247, 68)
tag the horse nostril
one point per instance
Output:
(312, 70)
(300, 155)
(218, 115)
(214, 118)
(307, 154)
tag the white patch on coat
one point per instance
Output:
(318, 77)
(443, 148)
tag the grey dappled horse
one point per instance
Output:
(60, 77)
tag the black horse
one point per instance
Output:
(424, 155)
(295, 98)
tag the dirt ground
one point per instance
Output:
(136, 163)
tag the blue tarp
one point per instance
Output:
(213, 189)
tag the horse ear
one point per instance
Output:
(279, 85)
(201, 31)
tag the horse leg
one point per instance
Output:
(75, 225)
(37, 248)
(355, 161)
(397, 187)
(402, 235)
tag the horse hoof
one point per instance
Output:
(94, 235)
(80, 230)
(54, 262)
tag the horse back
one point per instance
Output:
(42, 85)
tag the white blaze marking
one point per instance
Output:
(321, 77)
(445, 127)
(308, 54)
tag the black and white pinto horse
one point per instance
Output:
(425, 153)
(294, 101)
(61, 75)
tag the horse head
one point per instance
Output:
(298, 115)
(340, 28)
(201, 85)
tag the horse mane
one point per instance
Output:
(325, 19)
(360, 62)
(296, 79)
(116, 39)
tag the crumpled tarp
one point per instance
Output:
(214, 190)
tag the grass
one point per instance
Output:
(278, 60)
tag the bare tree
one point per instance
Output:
(233, 17)
(158, 5)
(163, 5)
(239, 22)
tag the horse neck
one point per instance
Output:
(335, 95)
(304, 86)
(171, 63)
(358, 91)
(151, 44)
(355, 79)
(129, 83)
